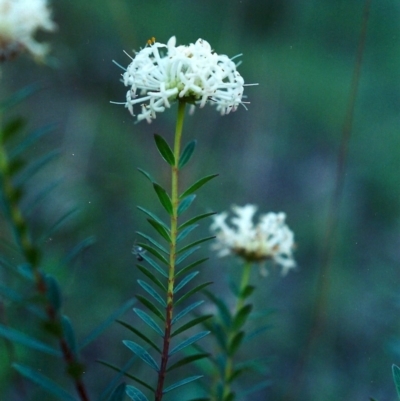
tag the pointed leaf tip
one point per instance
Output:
(164, 149)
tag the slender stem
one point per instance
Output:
(172, 251)
(244, 282)
(31, 255)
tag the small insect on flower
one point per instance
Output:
(138, 251)
(151, 41)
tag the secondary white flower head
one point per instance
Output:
(271, 238)
(160, 74)
(19, 21)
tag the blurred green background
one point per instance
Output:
(280, 154)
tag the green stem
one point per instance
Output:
(172, 251)
(244, 282)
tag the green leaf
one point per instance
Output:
(191, 266)
(50, 231)
(110, 320)
(142, 354)
(149, 321)
(160, 229)
(154, 217)
(153, 252)
(19, 96)
(154, 242)
(31, 139)
(119, 393)
(188, 359)
(235, 343)
(247, 291)
(152, 292)
(150, 306)
(53, 292)
(185, 203)
(69, 335)
(135, 394)
(151, 262)
(21, 338)
(396, 378)
(12, 127)
(164, 149)
(152, 277)
(164, 198)
(185, 255)
(198, 184)
(192, 291)
(200, 241)
(188, 342)
(139, 334)
(185, 311)
(123, 372)
(187, 153)
(184, 281)
(222, 308)
(184, 233)
(147, 175)
(190, 324)
(15, 167)
(78, 250)
(194, 220)
(240, 319)
(181, 383)
(43, 382)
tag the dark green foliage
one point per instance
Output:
(142, 354)
(188, 359)
(147, 175)
(149, 321)
(190, 324)
(193, 291)
(160, 229)
(69, 335)
(163, 197)
(184, 281)
(156, 266)
(181, 383)
(78, 249)
(185, 203)
(155, 218)
(44, 382)
(193, 244)
(135, 394)
(153, 252)
(152, 292)
(185, 232)
(197, 185)
(12, 128)
(140, 334)
(153, 241)
(396, 378)
(185, 311)
(187, 342)
(119, 393)
(53, 292)
(195, 220)
(152, 277)
(190, 266)
(187, 153)
(151, 306)
(164, 149)
(240, 319)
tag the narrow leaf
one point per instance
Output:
(240, 319)
(156, 266)
(235, 343)
(247, 291)
(222, 308)
(142, 354)
(200, 241)
(20, 96)
(192, 291)
(119, 393)
(190, 324)
(152, 277)
(21, 338)
(185, 280)
(110, 320)
(152, 292)
(50, 231)
(396, 378)
(147, 175)
(186, 254)
(164, 149)
(151, 306)
(188, 342)
(134, 394)
(153, 217)
(139, 334)
(185, 203)
(186, 360)
(184, 233)
(194, 220)
(187, 153)
(149, 321)
(69, 335)
(163, 197)
(153, 241)
(79, 249)
(181, 383)
(123, 372)
(53, 292)
(153, 252)
(191, 266)
(185, 311)
(198, 184)
(43, 382)
(160, 229)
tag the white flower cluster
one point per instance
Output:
(160, 74)
(19, 21)
(271, 238)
